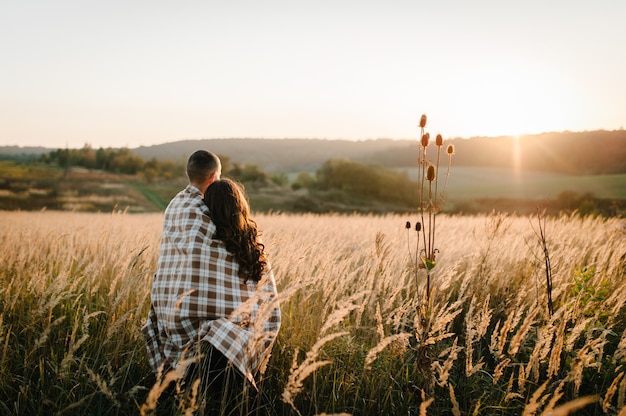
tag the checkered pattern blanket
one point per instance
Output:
(197, 295)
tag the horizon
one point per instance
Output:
(144, 74)
(514, 137)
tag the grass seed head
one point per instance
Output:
(450, 149)
(439, 140)
(425, 139)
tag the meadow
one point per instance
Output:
(489, 182)
(358, 335)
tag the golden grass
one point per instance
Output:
(74, 291)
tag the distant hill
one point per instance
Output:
(594, 152)
(582, 153)
(22, 154)
(275, 155)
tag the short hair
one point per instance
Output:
(201, 165)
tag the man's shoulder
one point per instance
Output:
(187, 210)
(188, 199)
(177, 200)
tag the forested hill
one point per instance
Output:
(594, 152)
(276, 155)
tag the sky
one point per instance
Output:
(137, 73)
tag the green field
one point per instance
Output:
(470, 190)
(467, 182)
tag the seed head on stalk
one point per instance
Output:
(430, 173)
(450, 152)
(418, 262)
(423, 121)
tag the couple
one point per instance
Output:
(213, 300)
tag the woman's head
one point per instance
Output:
(228, 205)
(230, 213)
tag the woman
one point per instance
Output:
(241, 306)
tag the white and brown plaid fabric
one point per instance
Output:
(197, 295)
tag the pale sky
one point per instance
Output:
(132, 73)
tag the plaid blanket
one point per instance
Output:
(197, 295)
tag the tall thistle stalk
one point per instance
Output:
(430, 202)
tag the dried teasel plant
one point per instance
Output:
(431, 200)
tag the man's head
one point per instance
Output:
(203, 168)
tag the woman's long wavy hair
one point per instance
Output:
(230, 212)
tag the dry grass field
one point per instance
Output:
(357, 337)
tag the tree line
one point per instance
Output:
(121, 161)
(364, 180)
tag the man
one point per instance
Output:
(186, 226)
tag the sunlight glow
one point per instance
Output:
(511, 99)
(517, 159)
(122, 73)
